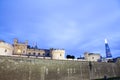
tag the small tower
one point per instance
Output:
(15, 41)
(86, 55)
(20, 48)
(57, 53)
(26, 42)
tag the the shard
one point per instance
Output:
(107, 49)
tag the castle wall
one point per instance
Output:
(19, 68)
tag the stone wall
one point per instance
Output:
(20, 68)
(6, 48)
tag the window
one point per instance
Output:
(29, 54)
(23, 51)
(38, 54)
(5, 50)
(44, 54)
(92, 57)
(34, 54)
(60, 54)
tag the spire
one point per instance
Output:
(106, 40)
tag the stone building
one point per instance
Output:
(22, 48)
(5, 48)
(92, 56)
(57, 53)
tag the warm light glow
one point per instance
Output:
(18, 51)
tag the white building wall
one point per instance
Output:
(94, 57)
(58, 54)
(6, 49)
(91, 57)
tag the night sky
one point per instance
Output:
(75, 25)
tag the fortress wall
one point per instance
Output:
(16, 68)
(118, 65)
(99, 70)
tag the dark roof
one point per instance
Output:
(2, 41)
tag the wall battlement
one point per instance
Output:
(58, 50)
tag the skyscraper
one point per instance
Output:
(107, 49)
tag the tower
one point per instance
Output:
(15, 41)
(107, 50)
(20, 48)
(57, 53)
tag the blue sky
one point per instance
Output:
(75, 25)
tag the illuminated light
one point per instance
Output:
(18, 51)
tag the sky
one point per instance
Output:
(77, 26)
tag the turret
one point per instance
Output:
(26, 42)
(15, 41)
(20, 48)
(57, 53)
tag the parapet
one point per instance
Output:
(57, 50)
(87, 53)
(17, 42)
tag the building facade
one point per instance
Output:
(5, 48)
(19, 48)
(26, 50)
(92, 56)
